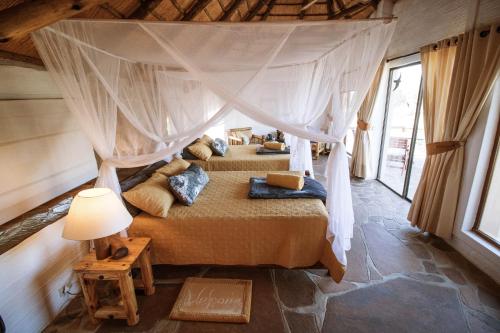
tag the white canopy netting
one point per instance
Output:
(142, 91)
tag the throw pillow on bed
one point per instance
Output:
(201, 151)
(206, 140)
(219, 147)
(152, 196)
(187, 186)
(187, 155)
(175, 167)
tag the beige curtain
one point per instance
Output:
(361, 151)
(456, 81)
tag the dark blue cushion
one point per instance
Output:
(260, 190)
(219, 147)
(187, 186)
(266, 151)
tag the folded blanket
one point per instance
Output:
(265, 151)
(259, 189)
(274, 145)
(292, 182)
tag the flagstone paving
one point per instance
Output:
(397, 280)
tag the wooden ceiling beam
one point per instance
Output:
(354, 8)
(20, 60)
(145, 7)
(230, 11)
(302, 12)
(107, 7)
(254, 11)
(196, 8)
(20, 20)
(329, 7)
(270, 6)
(341, 4)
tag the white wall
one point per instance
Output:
(236, 120)
(422, 22)
(32, 274)
(477, 156)
(43, 153)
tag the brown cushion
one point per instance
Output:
(200, 150)
(152, 196)
(175, 167)
(274, 145)
(206, 140)
(293, 182)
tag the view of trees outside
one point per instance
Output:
(403, 100)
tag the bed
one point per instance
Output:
(225, 227)
(245, 158)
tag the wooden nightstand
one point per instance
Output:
(90, 270)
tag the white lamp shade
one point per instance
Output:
(95, 213)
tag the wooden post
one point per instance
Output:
(20, 20)
(128, 297)
(147, 271)
(90, 295)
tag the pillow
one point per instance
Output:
(292, 182)
(188, 184)
(175, 167)
(206, 140)
(219, 147)
(201, 151)
(187, 155)
(152, 196)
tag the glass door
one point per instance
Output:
(403, 145)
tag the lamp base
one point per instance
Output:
(102, 248)
(110, 246)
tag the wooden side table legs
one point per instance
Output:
(147, 271)
(128, 298)
(90, 295)
(119, 271)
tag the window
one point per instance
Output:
(403, 145)
(488, 221)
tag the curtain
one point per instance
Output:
(361, 152)
(457, 81)
(282, 75)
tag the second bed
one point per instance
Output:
(245, 158)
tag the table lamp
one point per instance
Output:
(95, 214)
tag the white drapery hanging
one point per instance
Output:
(172, 81)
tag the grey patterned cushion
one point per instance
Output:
(187, 185)
(219, 147)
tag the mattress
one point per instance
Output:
(225, 227)
(245, 158)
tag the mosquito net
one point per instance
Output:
(144, 90)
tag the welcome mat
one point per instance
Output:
(221, 300)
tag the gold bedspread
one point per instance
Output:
(225, 227)
(243, 158)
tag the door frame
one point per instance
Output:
(404, 193)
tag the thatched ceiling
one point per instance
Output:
(21, 47)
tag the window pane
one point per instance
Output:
(490, 221)
(400, 117)
(418, 157)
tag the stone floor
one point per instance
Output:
(397, 280)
